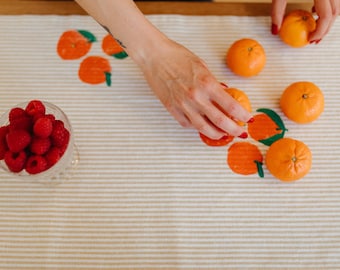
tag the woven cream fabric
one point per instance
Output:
(148, 194)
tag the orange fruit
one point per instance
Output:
(74, 44)
(246, 57)
(288, 159)
(241, 97)
(245, 158)
(219, 142)
(111, 47)
(296, 27)
(95, 70)
(302, 102)
(267, 127)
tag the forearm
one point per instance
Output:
(127, 24)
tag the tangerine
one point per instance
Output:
(74, 44)
(241, 97)
(111, 47)
(296, 27)
(288, 159)
(246, 57)
(245, 158)
(95, 70)
(302, 102)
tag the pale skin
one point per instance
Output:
(179, 78)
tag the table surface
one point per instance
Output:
(148, 194)
(221, 7)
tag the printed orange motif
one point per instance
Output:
(74, 44)
(245, 158)
(219, 142)
(95, 70)
(296, 27)
(111, 47)
(267, 127)
(288, 159)
(246, 57)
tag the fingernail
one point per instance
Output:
(312, 41)
(251, 120)
(318, 41)
(224, 85)
(275, 29)
(244, 135)
(313, 9)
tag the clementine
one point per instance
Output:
(74, 44)
(288, 159)
(267, 127)
(245, 158)
(111, 47)
(296, 27)
(246, 57)
(302, 102)
(241, 97)
(95, 70)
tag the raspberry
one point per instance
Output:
(40, 146)
(43, 127)
(60, 135)
(15, 161)
(16, 113)
(23, 122)
(35, 107)
(18, 140)
(36, 164)
(52, 156)
(3, 143)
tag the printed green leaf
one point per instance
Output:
(108, 78)
(88, 35)
(120, 55)
(269, 141)
(275, 117)
(259, 168)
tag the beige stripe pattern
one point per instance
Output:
(148, 194)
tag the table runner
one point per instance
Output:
(148, 194)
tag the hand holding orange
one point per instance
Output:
(296, 28)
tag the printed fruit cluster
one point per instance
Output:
(75, 44)
(33, 140)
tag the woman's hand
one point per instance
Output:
(327, 11)
(189, 91)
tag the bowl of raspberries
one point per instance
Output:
(36, 141)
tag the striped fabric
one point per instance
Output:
(148, 194)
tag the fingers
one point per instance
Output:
(208, 114)
(277, 14)
(327, 12)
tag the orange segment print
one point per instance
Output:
(111, 47)
(74, 44)
(267, 127)
(95, 70)
(245, 158)
(219, 142)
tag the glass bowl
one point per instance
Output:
(65, 166)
